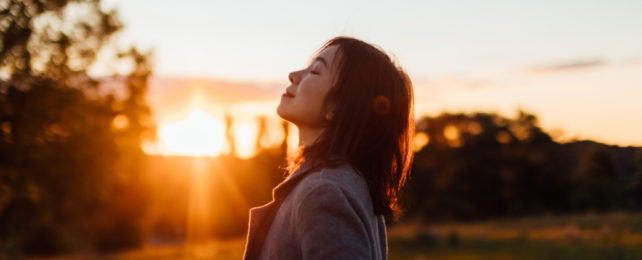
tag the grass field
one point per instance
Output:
(589, 236)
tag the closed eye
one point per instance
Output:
(314, 69)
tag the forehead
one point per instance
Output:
(329, 54)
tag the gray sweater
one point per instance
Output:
(327, 215)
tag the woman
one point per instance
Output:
(354, 110)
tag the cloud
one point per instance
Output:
(579, 64)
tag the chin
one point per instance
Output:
(280, 112)
(285, 116)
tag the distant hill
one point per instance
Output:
(624, 157)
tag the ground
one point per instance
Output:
(586, 236)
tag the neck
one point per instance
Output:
(308, 135)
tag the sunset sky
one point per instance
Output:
(577, 65)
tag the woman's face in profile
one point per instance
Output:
(302, 102)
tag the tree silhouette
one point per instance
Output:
(484, 165)
(70, 157)
(634, 188)
(41, 38)
(596, 186)
(261, 133)
(229, 133)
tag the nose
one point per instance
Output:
(293, 78)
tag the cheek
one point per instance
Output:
(313, 95)
(316, 89)
(310, 100)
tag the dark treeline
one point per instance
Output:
(484, 165)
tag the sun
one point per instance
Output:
(199, 134)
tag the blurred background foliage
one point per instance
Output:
(484, 166)
(73, 177)
(68, 178)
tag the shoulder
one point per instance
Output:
(342, 177)
(329, 185)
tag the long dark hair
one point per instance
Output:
(373, 124)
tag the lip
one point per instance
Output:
(286, 94)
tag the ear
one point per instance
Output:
(330, 112)
(329, 115)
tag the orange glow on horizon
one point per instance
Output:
(197, 135)
(203, 132)
(245, 138)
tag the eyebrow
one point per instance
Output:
(322, 60)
